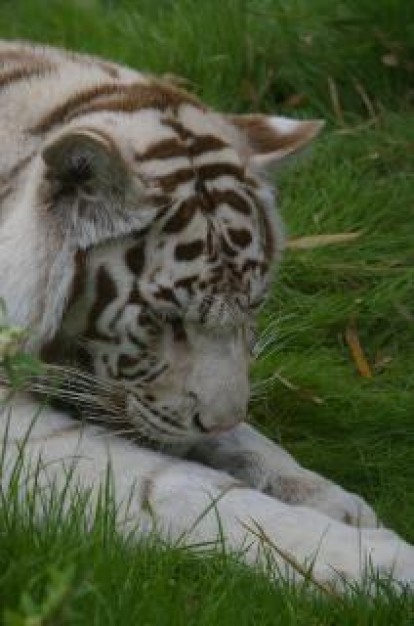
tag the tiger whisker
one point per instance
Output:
(82, 375)
(117, 433)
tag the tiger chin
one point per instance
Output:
(138, 237)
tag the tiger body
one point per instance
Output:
(138, 232)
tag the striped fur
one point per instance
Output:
(176, 227)
(137, 236)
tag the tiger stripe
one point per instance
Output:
(233, 198)
(189, 251)
(107, 292)
(240, 236)
(205, 173)
(8, 179)
(6, 191)
(110, 69)
(19, 74)
(182, 216)
(195, 146)
(75, 101)
(115, 97)
(202, 144)
(164, 149)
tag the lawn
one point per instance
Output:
(350, 62)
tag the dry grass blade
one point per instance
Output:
(316, 241)
(302, 392)
(352, 339)
(305, 572)
(361, 91)
(336, 103)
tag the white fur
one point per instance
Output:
(190, 503)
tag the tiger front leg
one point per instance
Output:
(193, 505)
(203, 508)
(263, 465)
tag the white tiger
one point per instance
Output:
(137, 233)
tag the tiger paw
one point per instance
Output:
(344, 506)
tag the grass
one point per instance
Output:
(99, 579)
(351, 62)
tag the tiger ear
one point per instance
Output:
(82, 157)
(270, 138)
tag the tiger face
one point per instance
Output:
(161, 232)
(167, 310)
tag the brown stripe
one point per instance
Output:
(233, 199)
(240, 236)
(59, 114)
(269, 243)
(167, 294)
(178, 330)
(186, 283)
(135, 259)
(6, 191)
(111, 69)
(217, 274)
(170, 182)
(176, 126)
(206, 143)
(21, 73)
(250, 264)
(135, 296)
(127, 360)
(106, 292)
(215, 170)
(79, 278)
(175, 96)
(182, 217)
(251, 182)
(144, 318)
(211, 241)
(160, 201)
(116, 104)
(166, 149)
(115, 97)
(189, 251)
(227, 249)
(23, 56)
(198, 144)
(16, 169)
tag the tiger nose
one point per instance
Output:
(218, 417)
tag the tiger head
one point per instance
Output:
(156, 230)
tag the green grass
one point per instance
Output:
(99, 579)
(351, 62)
